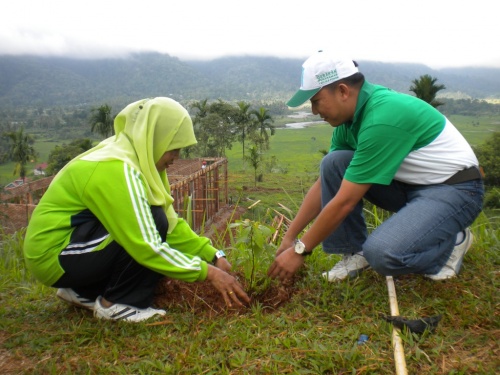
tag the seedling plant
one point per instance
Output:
(252, 252)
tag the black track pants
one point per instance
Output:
(110, 272)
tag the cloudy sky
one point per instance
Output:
(438, 33)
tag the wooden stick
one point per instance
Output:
(254, 204)
(278, 227)
(397, 343)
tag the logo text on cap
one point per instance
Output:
(327, 77)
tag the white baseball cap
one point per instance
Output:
(320, 70)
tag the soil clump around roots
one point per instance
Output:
(202, 298)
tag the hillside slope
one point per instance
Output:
(29, 81)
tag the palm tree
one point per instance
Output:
(255, 159)
(426, 89)
(202, 108)
(264, 121)
(244, 122)
(202, 137)
(21, 151)
(101, 121)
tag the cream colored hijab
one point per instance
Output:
(144, 131)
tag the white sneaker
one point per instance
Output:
(349, 266)
(70, 296)
(453, 265)
(125, 312)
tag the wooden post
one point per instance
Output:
(397, 343)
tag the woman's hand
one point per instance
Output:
(227, 285)
(223, 264)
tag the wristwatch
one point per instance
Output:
(218, 254)
(300, 248)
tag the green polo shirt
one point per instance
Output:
(398, 136)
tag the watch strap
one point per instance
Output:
(305, 252)
(218, 254)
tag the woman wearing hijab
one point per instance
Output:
(105, 231)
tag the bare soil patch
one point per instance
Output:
(12, 361)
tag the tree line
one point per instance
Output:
(217, 126)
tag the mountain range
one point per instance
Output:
(34, 81)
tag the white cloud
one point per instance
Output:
(436, 33)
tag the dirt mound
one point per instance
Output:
(201, 297)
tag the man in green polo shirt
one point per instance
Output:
(399, 153)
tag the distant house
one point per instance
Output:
(40, 169)
(14, 184)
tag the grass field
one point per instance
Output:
(316, 332)
(476, 129)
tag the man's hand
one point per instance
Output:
(228, 286)
(285, 244)
(285, 265)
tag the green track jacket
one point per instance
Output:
(115, 193)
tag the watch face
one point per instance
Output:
(299, 247)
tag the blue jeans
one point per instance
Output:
(419, 237)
